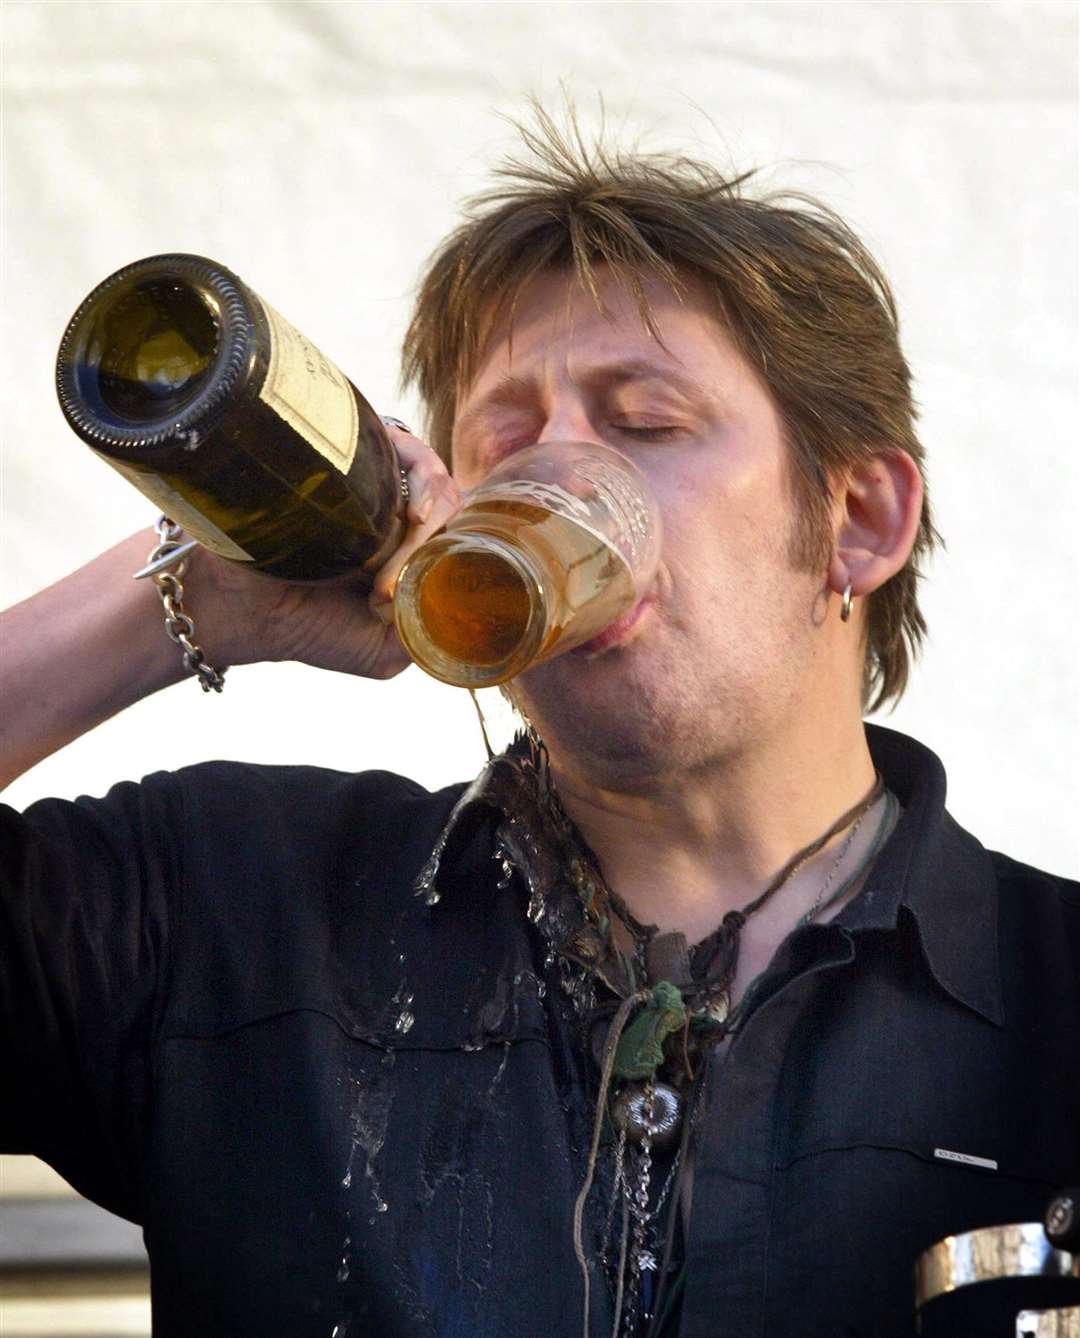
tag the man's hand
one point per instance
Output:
(243, 616)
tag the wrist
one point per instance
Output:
(166, 566)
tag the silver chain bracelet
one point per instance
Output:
(165, 566)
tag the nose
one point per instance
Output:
(568, 420)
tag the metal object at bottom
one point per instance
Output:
(979, 1283)
(1020, 1250)
(1049, 1323)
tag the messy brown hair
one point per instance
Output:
(801, 296)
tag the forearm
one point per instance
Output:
(95, 642)
(79, 652)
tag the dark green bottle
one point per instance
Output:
(230, 421)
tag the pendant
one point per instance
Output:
(656, 1114)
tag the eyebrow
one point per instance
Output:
(510, 390)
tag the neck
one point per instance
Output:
(695, 843)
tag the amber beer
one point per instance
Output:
(477, 606)
(230, 420)
(548, 552)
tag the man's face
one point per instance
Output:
(724, 646)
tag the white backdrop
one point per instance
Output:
(319, 149)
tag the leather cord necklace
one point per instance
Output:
(715, 959)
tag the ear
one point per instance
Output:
(878, 506)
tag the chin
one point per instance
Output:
(622, 724)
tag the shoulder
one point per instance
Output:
(276, 829)
(292, 783)
(288, 877)
(221, 803)
(1038, 951)
(1017, 878)
(1006, 933)
(1035, 905)
(222, 794)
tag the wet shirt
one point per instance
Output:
(338, 1110)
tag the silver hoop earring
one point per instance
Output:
(845, 603)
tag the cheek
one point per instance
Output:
(462, 470)
(726, 520)
(730, 582)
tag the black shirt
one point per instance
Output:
(338, 1110)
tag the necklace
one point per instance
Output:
(844, 848)
(665, 1006)
(714, 961)
(647, 1109)
(883, 830)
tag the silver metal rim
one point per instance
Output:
(1019, 1250)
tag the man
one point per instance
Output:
(708, 1019)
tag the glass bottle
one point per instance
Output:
(222, 413)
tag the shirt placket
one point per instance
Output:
(734, 1140)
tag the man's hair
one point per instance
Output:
(801, 296)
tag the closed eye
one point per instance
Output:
(655, 433)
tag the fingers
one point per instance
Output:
(433, 498)
(430, 484)
(382, 594)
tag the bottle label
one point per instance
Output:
(308, 392)
(177, 508)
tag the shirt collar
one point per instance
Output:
(929, 865)
(939, 872)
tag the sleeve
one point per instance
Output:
(87, 892)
